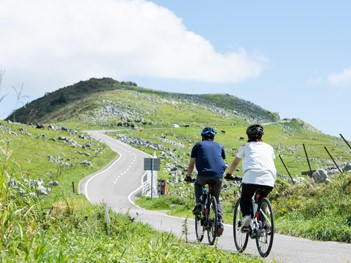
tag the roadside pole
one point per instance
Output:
(152, 164)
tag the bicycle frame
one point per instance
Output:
(207, 202)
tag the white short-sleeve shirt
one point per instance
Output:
(258, 163)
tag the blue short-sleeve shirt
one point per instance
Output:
(209, 158)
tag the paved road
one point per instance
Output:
(118, 184)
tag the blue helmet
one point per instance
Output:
(208, 132)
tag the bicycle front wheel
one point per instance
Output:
(265, 233)
(199, 228)
(240, 238)
(212, 221)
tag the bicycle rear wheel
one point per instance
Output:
(240, 238)
(212, 221)
(199, 228)
(265, 233)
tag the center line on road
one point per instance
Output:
(116, 180)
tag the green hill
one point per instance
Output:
(167, 124)
(110, 104)
(131, 103)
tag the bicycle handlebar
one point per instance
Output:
(238, 178)
(189, 179)
(230, 177)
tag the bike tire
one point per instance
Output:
(199, 228)
(265, 233)
(212, 221)
(240, 238)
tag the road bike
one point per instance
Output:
(261, 227)
(207, 220)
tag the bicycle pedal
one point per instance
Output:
(245, 229)
(220, 231)
(254, 233)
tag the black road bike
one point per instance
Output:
(207, 220)
(261, 227)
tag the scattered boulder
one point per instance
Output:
(53, 183)
(321, 176)
(37, 185)
(347, 166)
(85, 162)
(40, 126)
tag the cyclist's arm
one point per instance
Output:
(234, 165)
(190, 167)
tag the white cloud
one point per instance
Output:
(340, 78)
(78, 39)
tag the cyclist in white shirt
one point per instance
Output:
(258, 169)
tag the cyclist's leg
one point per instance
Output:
(248, 191)
(199, 183)
(216, 185)
(263, 190)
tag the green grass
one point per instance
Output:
(80, 233)
(27, 151)
(320, 212)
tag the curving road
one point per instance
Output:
(118, 184)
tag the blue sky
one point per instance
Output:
(292, 57)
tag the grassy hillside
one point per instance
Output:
(97, 95)
(151, 115)
(167, 124)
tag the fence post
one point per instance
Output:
(308, 161)
(345, 141)
(287, 169)
(332, 159)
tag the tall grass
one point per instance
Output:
(321, 212)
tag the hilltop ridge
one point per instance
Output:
(110, 98)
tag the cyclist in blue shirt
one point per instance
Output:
(208, 158)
